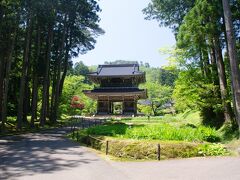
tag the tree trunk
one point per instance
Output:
(45, 93)
(229, 73)
(233, 58)
(205, 62)
(58, 75)
(48, 96)
(6, 80)
(65, 67)
(1, 65)
(27, 99)
(214, 71)
(34, 99)
(56, 92)
(66, 57)
(222, 81)
(35, 79)
(1, 86)
(201, 64)
(153, 109)
(24, 72)
(54, 79)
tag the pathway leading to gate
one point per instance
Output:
(50, 156)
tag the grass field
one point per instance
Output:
(161, 131)
(183, 127)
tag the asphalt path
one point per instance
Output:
(50, 156)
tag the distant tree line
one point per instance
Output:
(161, 75)
(37, 41)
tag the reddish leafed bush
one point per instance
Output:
(76, 103)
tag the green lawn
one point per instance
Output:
(189, 117)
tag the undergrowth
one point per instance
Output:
(147, 149)
(157, 132)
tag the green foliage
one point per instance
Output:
(229, 132)
(212, 150)
(165, 76)
(79, 69)
(158, 95)
(186, 93)
(108, 129)
(199, 28)
(137, 138)
(74, 85)
(167, 132)
(188, 118)
(199, 36)
(168, 13)
(193, 91)
(152, 74)
(147, 149)
(157, 132)
(145, 109)
(38, 40)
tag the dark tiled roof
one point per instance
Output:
(117, 70)
(117, 92)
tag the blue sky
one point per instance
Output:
(128, 36)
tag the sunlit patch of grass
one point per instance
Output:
(188, 117)
(108, 129)
(157, 132)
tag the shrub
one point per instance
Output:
(168, 132)
(212, 150)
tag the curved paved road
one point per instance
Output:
(50, 156)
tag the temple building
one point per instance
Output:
(117, 89)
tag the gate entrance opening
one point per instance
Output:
(117, 108)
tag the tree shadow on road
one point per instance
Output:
(45, 152)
